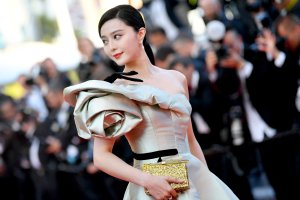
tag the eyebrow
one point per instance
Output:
(112, 32)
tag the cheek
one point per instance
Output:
(131, 47)
(130, 42)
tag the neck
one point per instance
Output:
(145, 72)
(142, 65)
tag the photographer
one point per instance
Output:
(262, 13)
(284, 147)
(225, 79)
(60, 151)
(255, 96)
(9, 126)
(269, 87)
(33, 99)
(264, 77)
(221, 62)
(93, 65)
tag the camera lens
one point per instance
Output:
(222, 52)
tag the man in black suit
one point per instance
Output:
(269, 81)
(9, 126)
(281, 155)
(18, 154)
(60, 149)
(67, 166)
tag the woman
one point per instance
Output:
(150, 108)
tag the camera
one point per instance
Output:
(29, 81)
(43, 73)
(222, 52)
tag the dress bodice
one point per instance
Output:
(150, 118)
(160, 129)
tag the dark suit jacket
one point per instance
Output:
(272, 90)
(50, 127)
(207, 101)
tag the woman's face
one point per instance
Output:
(121, 42)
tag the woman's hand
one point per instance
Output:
(159, 187)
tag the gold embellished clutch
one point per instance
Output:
(174, 168)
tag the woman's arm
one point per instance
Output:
(106, 161)
(194, 145)
(158, 186)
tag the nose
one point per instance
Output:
(112, 46)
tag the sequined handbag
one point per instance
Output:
(173, 168)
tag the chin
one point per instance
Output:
(119, 63)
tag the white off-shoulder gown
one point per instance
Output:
(151, 120)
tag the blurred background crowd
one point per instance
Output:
(241, 60)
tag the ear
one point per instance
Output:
(141, 35)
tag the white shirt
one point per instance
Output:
(35, 101)
(257, 126)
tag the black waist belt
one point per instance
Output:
(155, 154)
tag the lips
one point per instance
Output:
(117, 55)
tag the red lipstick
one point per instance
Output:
(117, 55)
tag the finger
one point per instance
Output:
(174, 194)
(173, 180)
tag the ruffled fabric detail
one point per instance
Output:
(110, 110)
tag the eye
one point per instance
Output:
(105, 42)
(117, 36)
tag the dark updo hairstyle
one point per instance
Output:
(131, 17)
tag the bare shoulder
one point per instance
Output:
(176, 78)
(178, 75)
(173, 74)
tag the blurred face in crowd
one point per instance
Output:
(86, 47)
(184, 47)
(50, 67)
(233, 41)
(187, 71)
(121, 42)
(54, 99)
(291, 35)
(8, 111)
(281, 4)
(157, 39)
(211, 8)
(22, 80)
(164, 63)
